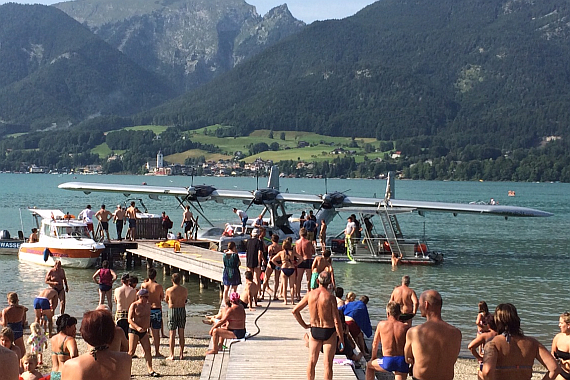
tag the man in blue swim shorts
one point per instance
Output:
(391, 333)
(44, 307)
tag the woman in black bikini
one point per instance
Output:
(511, 354)
(287, 257)
(234, 321)
(561, 346)
(63, 344)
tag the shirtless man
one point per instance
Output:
(322, 263)
(131, 215)
(124, 296)
(155, 297)
(187, 222)
(407, 299)
(248, 297)
(432, 347)
(325, 326)
(57, 280)
(176, 296)
(34, 236)
(103, 216)
(9, 363)
(391, 335)
(306, 249)
(119, 219)
(44, 307)
(139, 323)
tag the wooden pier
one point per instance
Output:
(275, 348)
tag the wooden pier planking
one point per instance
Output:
(277, 352)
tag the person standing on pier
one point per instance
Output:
(132, 217)
(187, 223)
(119, 219)
(103, 217)
(176, 296)
(87, 216)
(155, 297)
(325, 326)
(57, 280)
(125, 295)
(305, 248)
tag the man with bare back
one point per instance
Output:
(139, 323)
(44, 308)
(391, 336)
(103, 216)
(176, 296)
(306, 249)
(322, 263)
(408, 300)
(432, 348)
(57, 280)
(155, 297)
(326, 328)
(124, 296)
(132, 217)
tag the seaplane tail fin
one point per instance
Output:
(273, 182)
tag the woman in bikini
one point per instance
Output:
(561, 346)
(511, 354)
(477, 345)
(287, 258)
(14, 316)
(231, 326)
(63, 345)
(272, 250)
(98, 330)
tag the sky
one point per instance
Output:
(307, 11)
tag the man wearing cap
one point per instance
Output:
(119, 219)
(124, 297)
(139, 322)
(254, 256)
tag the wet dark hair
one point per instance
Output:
(7, 332)
(176, 278)
(133, 280)
(105, 264)
(249, 275)
(98, 328)
(483, 308)
(275, 238)
(151, 273)
(339, 291)
(64, 321)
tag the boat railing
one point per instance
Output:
(378, 246)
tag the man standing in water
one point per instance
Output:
(125, 295)
(408, 300)
(132, 217)
(155, 297)
(432, 347)
(176, 296)
(139, 322)
(325, 326)
(57, 280)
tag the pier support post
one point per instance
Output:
(203, 282)
(149, 263)
(128, 260)
(137, 261)
(185, 276)
(167, 270)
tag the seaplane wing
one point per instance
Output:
(88, 187)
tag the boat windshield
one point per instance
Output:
(70, 231)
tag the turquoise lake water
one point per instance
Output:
(520, 260)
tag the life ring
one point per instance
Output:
(47, 254)
(420, 248)
(386, 246)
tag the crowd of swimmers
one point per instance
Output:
(112, 339)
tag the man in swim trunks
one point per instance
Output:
(103, 216)
(432, 347)
(155, 297)
(44, 308)
(139, 323)
(325, 326)
(187, 222)
(408, 300)
(119, 219)
(254, 257)
(57, 280)
(124, 297)
(391, 336)
(176, 296)
(248, 296)
(322, 263)
(131, 214)
(306, 249)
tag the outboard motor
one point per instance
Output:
(4, 234)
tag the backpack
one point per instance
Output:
(167, 223)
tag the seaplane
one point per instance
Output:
(380, 248)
